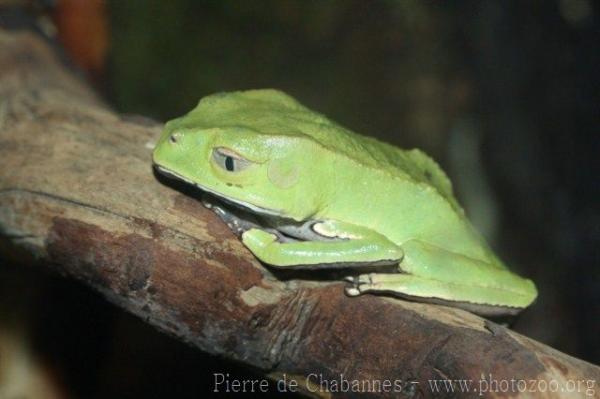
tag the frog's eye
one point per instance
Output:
(174, 137)
(229, 160)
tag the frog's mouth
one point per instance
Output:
(241, 216)
(253, 208)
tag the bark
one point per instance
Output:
(78, 195)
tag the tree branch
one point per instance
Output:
(77, 193)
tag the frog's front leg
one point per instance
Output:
(344, 245)
(431, 272)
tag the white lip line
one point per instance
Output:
(252, 207)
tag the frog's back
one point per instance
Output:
(275, 113)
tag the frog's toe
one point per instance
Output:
(360, 284)
(352, 291)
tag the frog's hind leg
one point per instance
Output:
(431, 273)
(412, 287)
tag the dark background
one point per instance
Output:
(503, 94)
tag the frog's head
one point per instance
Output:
(268, 174)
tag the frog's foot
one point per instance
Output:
(236, 219)
(485, 301)
(352, 290)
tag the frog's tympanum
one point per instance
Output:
(305, 192)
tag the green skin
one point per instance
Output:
(354, 201)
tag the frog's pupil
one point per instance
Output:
(229, 163)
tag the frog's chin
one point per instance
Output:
(229, 201)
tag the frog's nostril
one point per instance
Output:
(173, 138)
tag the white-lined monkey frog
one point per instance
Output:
(304, 192)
